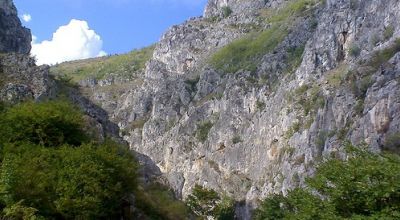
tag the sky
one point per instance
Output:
(66, 30)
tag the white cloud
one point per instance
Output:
(70, 42)
(26, 17)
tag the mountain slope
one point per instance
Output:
(249, 98)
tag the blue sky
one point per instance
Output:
(122, 25)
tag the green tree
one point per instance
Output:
(206, 202)
(87, 182)
(51, 123)
(92, 181)
(48, 170)
(366, 186)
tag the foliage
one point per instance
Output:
(225, 210)
(159, 202)
(245, 53)
(85, 182)
(99, 68)
(292, 9)
(383, 56)
(48, 124)
(237, 139)
(388, 33)
(260, 105)
(18, 211)
(47, 172)
(336, 77)
(202, 130)
(226, 11)
(310, 98)
(295, 56)
(354, 50)
(293, 130)
(366, 186)
(207, 202)
(392, 143)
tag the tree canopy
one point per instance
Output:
(365, 186)
(50, 170)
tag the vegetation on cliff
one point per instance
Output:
(99, 68)
(365, 186)
(245, 53)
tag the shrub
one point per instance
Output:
(392, 143)
(226, 11)
(207, 202)
(49, 124)
(237, 139)
(293, 129)
(87, 182)
(354, 50)
(202, 130)
(295, 56)
(260, 105)
(383, 56)
(366, 186)
(159, 202)
(47, 172)
(388, 33)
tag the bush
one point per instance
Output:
(159, 202)
(388, 33)
(206, 202)
(260, 105)
(354, 50)
(226, 11)
(48, 124)
(47, 172)
(366, 186)
(392, 143)
(237, 139)
(383, 56)
(87, 182)
(202, 130)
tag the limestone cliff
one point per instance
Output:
(13, 37)
(20, 79)
(326, 72)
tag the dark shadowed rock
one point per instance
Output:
(13, 37)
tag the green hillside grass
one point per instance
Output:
(245, 53)
(99, 68)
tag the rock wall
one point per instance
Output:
(263, 131)
(262, 140)
(13, 37)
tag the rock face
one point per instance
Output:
(13, 37)
(22, 80)
(253, 133)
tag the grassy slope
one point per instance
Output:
(99, 68)
(245, 53)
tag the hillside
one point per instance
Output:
(249, 98)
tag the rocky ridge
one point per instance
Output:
(262, 128)
(13, 37)
(22, 80)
